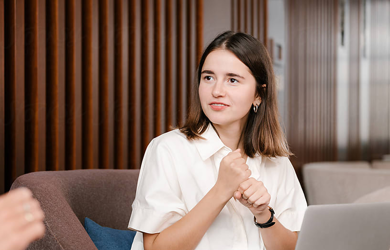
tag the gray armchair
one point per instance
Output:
(67, 197)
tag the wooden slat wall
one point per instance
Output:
(250, 16)
(380, 79)
(312, 43)
(87, 84)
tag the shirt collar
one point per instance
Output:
(210, 144)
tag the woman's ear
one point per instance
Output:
(257, 101)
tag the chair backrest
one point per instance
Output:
(381, 164)
(67, 197)
(339, 182)
(381, 195)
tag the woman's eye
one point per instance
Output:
(208, 78)
(232, 80)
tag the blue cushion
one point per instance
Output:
(108, 238)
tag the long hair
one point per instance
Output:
(262, 132)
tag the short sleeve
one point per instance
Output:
(158, 203)
(290, 204)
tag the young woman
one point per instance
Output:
(223, 180)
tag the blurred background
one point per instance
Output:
(87, 84)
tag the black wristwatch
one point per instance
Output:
(269, 223)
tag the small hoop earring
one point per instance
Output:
(255, 108)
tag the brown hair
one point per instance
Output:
(262, 133)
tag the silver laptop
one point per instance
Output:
(346, 227)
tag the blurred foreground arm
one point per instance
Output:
(21, 219)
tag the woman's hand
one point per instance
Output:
(252, 194)
(21, 219)
(232, 172)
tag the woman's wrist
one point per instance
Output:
(220, 194)
(263, 217)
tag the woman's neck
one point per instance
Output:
(230, 136)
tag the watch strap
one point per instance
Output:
(269, 223)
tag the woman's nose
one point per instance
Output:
(218, 89)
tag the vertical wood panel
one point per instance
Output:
(2, 101)
(254, 19)
(198, 33)
(121, 84)
(246, 16)
(135, 150)
(249, 16)
(147, 87)
(260, 15)
(35, 87)
(41, 84)
(14, 90)
(73, 79)
(190, 46)
(241, 15)
(183, 46)
(90, 84)
(265, 23)
(106, 84)
(61, 85)
(158, 83)
(168, 60)
(55, 107)
(233, 15)
(171, 60)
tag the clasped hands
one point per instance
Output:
(234, 179)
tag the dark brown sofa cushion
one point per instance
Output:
(67, 197)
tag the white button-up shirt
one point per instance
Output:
(177, 173)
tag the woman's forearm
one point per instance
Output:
(186, 233)
(277, 237)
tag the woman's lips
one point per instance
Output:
(217, 106)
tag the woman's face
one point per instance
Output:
(227, 89)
